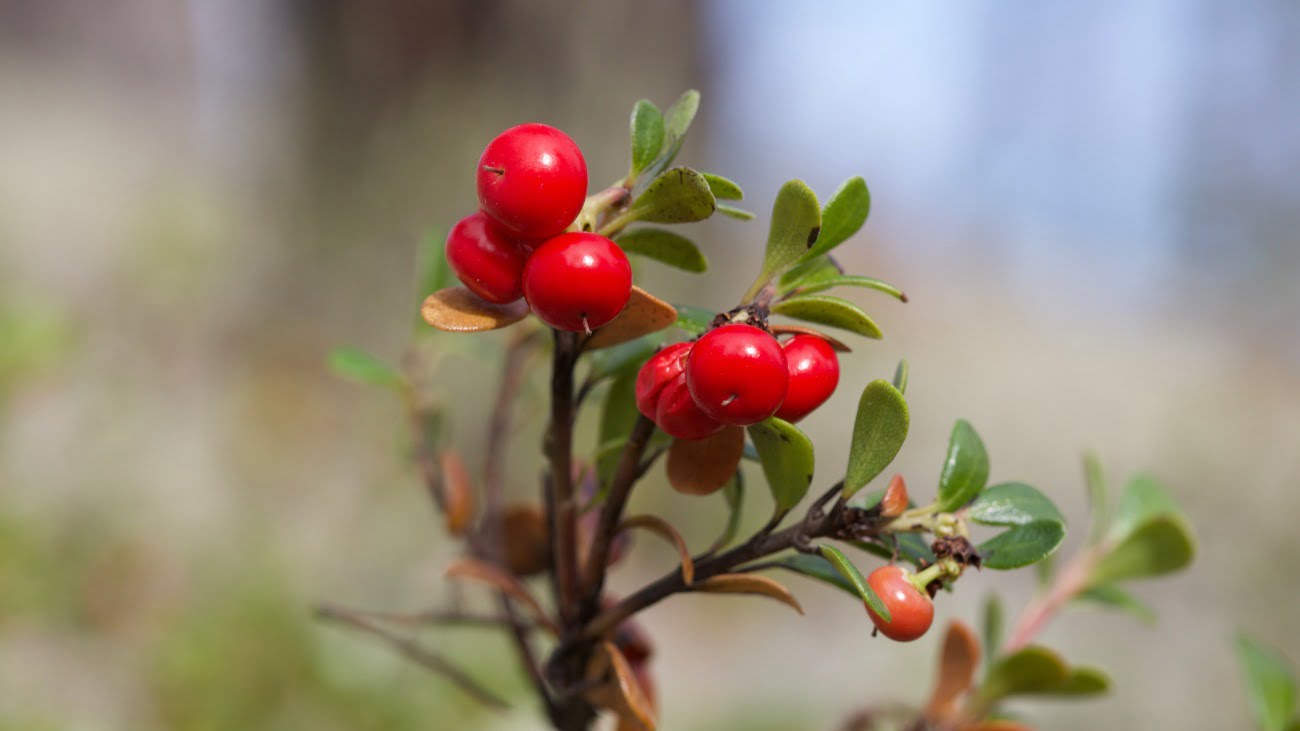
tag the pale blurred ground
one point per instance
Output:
(1094, 211)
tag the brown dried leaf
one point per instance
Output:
(473, 569)
(998, 725)
(748, 584)
(704, 466)
(894, 502)
(664, 529)
(525, 541)
(459, 310)
(457, 492)
(957, 663)
(644, 314)
(835, 343)
(618, 689)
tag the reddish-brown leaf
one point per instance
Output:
(459, 310)
(704, 466)
(835, 343)
(894, 503)
(748, 584)
(958, 660)
(644, 314)
(525, 542)
(998, 725)
(475, 570)
(664, 529)
(616, 688)
(457, 492)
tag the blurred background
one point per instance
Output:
(1094, 209)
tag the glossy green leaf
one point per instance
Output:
(663, 246)
(1098, 498)
(808, 270)
(734, 495)
(911, 548)
(787, 458)
(812, 285)
(900, 376)
(1143, 500)
(647, 135)
(694, 320)
(796, 219)
(993, 627)
(879, 431)
(357, 365)
(680, 195)
(966, 469)
(846, 569)
(1028, 671)
(617, 416)
(843, 215)
(723, 189)
(1270, 685)
(1159, 546)
(830, 311)
(1022, 545)
(615, 359)
(1013, 503)
(739, 214)
(1110, 595)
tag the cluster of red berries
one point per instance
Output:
(735, 375)
(532, 183)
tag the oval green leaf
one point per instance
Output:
(966, 469)
(357, 365)
(812, 285)
(723, 189)
(900, 376)
(844, 214)
(1160, 546)
(665, 247)
(694, 320)
(992, 627)
(1013, 503)
(739, 214)
(1109, 595)
(787, 458)
(647, 135)
(1030, 670)
(796, 219)
(1270, 686)
(878, 434)
(845, 567)
(1022, 545)
(1143, 499)
(679, 116)
(679, 195)
(829, 311)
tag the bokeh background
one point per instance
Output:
(1094, 208)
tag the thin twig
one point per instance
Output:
(624, 478)
(431, 617)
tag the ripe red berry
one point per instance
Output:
(662, 368)
(487, 259)
(911, 611)
(533, 180)
(814, 373)
(679, 416)
(737, 374)
(577, 281)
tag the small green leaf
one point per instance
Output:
(900, 376)
(993, 627)
(796, 219)
(823, 283)
(617, 416)
(647, 135)
(878, 434)
(1159, 546)
(615, 359)
(830, 311)
(357, 365)
(966, 469)
(739, 214)
(850, 572)
(1022, 545)
(1013, 503)
(1082, 681)
(694, 320)
(1270, 686)
(1110, 595)
(680, 195)
(679, 116)
(723, 189)
(1143, 500)
(843, 215)
(787, 458)
(665, 247)
(911, 548)
(811, 270)
(734, 495)
(435, 271)
(1098, 498)
(818, 567)
(1028, 671)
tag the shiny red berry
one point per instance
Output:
(577, 281)
(487, 259)
(911, 612)
(662, 368)
(737, 374)
(533, 180)
(814, 373)
(679, 416)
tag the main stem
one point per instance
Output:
(562, 504)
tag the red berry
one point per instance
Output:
(577, 281)
(679, 416)
(911, 612)
(488, 259)
(533, 180)
(659, 371)
(814, 373)
(737, 374)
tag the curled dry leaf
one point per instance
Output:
(835, 343)
(525, 541)
(665, 530)
(475, 570)
(998, 725)
(644, 314)
(748, 584)
(894, 503)
(704, 466)
(457, 492)
(459, 310)
(957, 663)
(615, 687)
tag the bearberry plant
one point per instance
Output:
(705, 392)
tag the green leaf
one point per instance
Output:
(830, 311)
(966, 469)
(357, 365)
(843, 215)
(723, 189)
(818, 567)
(878, 434)
(680, 195)
(787, 458)
(1110, 595)
(1143, 500)
(900, 376)
(615, 359)
(1030, 670)
(734, 495)
(911, 548)
(679, 116)
(810, 270)
(796, 219)
(617, 416)
(993, 626)
(694, 320)
(1013, 503)
(1097, 498)
(665, 247)
(435, 271)
(739, 214)
(1082, 681)
(647, 135)
(850, 572)
(1022, 545)
(1160, 546)
(811, 285)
